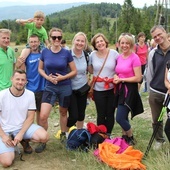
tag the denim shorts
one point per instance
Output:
(28, 135)
(60, 94)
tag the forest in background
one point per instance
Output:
(112, 19)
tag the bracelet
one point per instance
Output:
(123, 81)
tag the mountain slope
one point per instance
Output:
(14, 12)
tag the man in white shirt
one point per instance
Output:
(17, 111)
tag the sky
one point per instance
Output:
(136, 3)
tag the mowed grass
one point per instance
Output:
(57, 157)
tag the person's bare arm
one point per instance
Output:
(22, 58)
(47, 43)
(24, 21)
(5, 138)
(27, 123)
(90, 69)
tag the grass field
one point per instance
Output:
(57, 157)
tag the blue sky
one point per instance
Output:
(136, 3)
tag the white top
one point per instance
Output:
(14, 109)
(109, 68)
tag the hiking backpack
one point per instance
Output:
(78, 139)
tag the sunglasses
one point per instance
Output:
(56, 37)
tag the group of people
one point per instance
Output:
(46, 74)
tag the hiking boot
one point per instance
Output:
(40, 147)
(63, 137)
(26, 146)
(125, 137)
(131, 141)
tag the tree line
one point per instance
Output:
(109, 18)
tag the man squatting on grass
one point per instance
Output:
(16, 123)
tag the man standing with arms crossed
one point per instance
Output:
(36, 82)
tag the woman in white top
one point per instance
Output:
(104, 87)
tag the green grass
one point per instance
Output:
(56, 157)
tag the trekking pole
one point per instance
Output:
(160, 119)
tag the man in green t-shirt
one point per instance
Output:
(7, 59)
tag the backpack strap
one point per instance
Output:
(86, 56)
(137, 46)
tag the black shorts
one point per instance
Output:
(38, 98)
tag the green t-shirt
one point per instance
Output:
(7, 60)
(40, 32)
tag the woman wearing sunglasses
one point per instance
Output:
(128, 75)
(53, 66)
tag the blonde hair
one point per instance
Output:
(4, 30)
(79, 34)
(55, 30)
(129, 37)
(39, 14)
(93, 41)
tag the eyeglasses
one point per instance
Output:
(56, 37)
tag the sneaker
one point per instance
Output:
(158, 145)
(63, 137)
(40, 147)
(26, 146)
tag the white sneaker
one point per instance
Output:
(158, 145)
